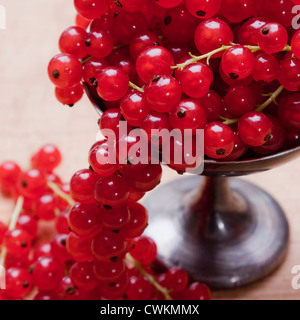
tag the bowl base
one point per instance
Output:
(229, 235)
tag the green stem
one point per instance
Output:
(149, 277)
(134, 86)
(271, 99)
(56, 189)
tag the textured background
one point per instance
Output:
(30, 116)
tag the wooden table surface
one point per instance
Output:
(30, 116)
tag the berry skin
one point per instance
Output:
(140, 288)
(44, 206)
(82, 185)
(102, 159)
(109, 271)
(112, 192)
(211, 34)
(239, 100)
(91, 9)
(248, 33)
(168, 3)
(82, 275)
(28, 223)
(79, 248)
(196, 80)
(213, 105)
(69, 96)
(255, 129)
(266, 68)
(239, 150)
(142, 42)
(134, 108)
(179, 25)
(18, 282)
(65, 70)
(238, 62)
(82, 22)
(189, 114)
(218, 140)
(115, 219)
(238, 10)
(203, 9)
(32, 183)
(272, 37)
(176, 279)
(163, 94)
(85, 219)
(112, 84)
(99, 44)
(138, 221)
(289, 73)
(289, 111)
(91, 69)
(114, 289)
(47, 273)
(142, 178)
(9, 175)
(17, 242)
(295, 43)
(197, 291)
(72, 41)
(47, 158)
(144, 251)
(154, 61)
(110, 120)
(109, 246)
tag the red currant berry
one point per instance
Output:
(176, 279)
(289, 111)
(289, 74)
(239, 150)
(44, 206)
(272, 37)
(218, 140)
(109, 246)
(18, 242)
(266, 68)
(142, 42)
(140, 288)
(168, 3)
(255, 129)
(69, 96)
(47, 273)
(85, 219)
(32, 183)
(43, 249)
(238, 10)
(197, 291)
(213, 105)
(82, 275)
(91, 9)
(9, 176)
(65, 70)
(79, 248)
(47, 158)
(195, 80)
(154, 61)
(99, 44)
(238, 62)
(112, 84)
(239, 100)
(28, 223)
(59, 249)
(211, 34)
(144, 250)
(188, 115)
(82, 22)
(91, 69)
(18, 282)
(134, 108)
(203, 9)
(112, 191)
(295, 43)
(248, 33)
(72, 41)
(115, 219)
(109, 271)
(114, 289)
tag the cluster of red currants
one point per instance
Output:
(83, 240)
(230, 67)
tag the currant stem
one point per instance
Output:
(56, 189)
(271, 99)
(149, 277)
(84, 61)
(12, 225)
(209, 55)
(134, 86)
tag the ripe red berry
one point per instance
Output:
(79, 248)
(18, 241)
(18, 282)
(142, 42)
(65, 70)
(9, 176)
(238, 62)
(218, 140)
(144, 250)
(91, 9)
(255, 129)
(112, 84)
(69, 96)
(168, 3)
(203, 9)
(140, 288)
(85, 219)
(109, 271)
(32, 183)
(295, 43)
(47, 158)
(99, 44)
(272, 37)
(82, 275)
(154, 61)
(266, 68)
(197, 291)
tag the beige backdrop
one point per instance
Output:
(30, 116)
